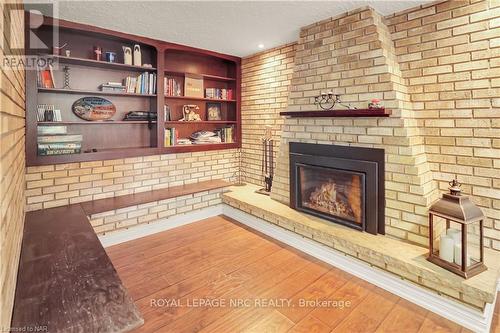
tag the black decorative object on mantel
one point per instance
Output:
(327, 101)
(267, 162)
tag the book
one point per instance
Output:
(166, 113)
(60, 145)
(193, 86)
(45, 77)
(59, 138)
(43, 130)
(50, 152)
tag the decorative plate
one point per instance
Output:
(93, 108)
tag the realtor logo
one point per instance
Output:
(26, 44)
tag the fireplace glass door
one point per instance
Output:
(332, 193)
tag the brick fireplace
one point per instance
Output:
(344, 185)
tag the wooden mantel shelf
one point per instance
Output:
(338, 113)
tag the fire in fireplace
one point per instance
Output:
(340, 184)
(332, 191)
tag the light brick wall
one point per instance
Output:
(449, 55)
(436, 68)
(12, 113)
(353, 55)
(154, 211)
(264, 89)
(63, 184)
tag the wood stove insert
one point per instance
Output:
(341, 184)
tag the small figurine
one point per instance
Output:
(375, 104)
(189, 113)
(97, 53)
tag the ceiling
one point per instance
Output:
(231, 27)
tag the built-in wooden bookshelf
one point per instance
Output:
(119, 138)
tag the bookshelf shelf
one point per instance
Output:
(205, 76)
(198, 147)
(99, 64)
(200, 122)
(201, 99)
(119, 138)
(114, 122)
(91, 92)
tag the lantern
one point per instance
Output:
(456, 234)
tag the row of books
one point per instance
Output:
(45, 77)
(226, 134)
(171, 87)
(142, 84)
(219, 93)
(55, 140)
(47, 112)
(171, 137)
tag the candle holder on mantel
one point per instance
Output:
(328, 100)
(456, 241)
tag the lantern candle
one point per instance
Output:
(446, 248)
(458, 255)
(455, 234)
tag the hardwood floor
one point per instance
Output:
(184, 280)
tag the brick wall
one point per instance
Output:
(154, 211)
(63, 184)
(264, 89)
(436, 68)
(353, 55)
(449, 55)
(12, 111)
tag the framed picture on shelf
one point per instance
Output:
(214, 111)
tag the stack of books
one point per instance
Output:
(113, 87)
(171, 87)
(47, 112)
(219, 93)
(205, 137)
(142, 84)
(54, 140)
(226, 134)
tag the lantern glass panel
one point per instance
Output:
(473, 244)
(449, 237)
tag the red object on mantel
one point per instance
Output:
(338, 113)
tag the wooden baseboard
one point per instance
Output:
(461, 314)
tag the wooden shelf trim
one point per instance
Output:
(338, 113)
(205, 76)
(99, 64)
(201, 122)
(114, 122)
(108, 204)
(91, 92)
(202, 99)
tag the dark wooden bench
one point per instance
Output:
(66, 282)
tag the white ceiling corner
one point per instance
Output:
(231, 27)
